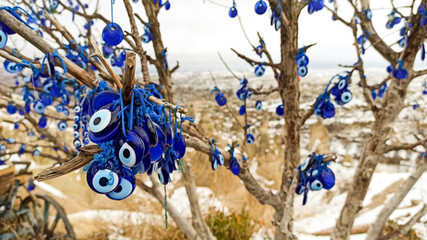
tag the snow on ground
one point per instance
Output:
(46, 187)
(207, 200)
(112, 217)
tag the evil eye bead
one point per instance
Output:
(220, 99)
(103, 125)
(277, 24)
(327, 178)
(316, 185)
(302, 71)
(3, 37)
(214, 164)
(112, 34)
(232, 12)
(86, 141)
(103, 179)
(62, 126)
(258, 105)
(54, 4)
(280, 110)
(11, 67)
(221, 159)
(179, 146)
(163, 174)
(156, 152)
(346, 96)
(39, 107)
(76, 134)
(59, 108)
(77, 143)
(235, 167)
(342, 84)
(42, 122)
(131, 149)
(76, 126)
(242, 110)
(125, 188)
(167, 5)
(147, 37)
(250, 139)
(11, 109)
(259, 71)
(77, 118)
(260, 7)
(302, 60)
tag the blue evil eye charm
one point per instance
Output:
(258, 105)
(250, 139)
(415, 106)
(76, 134)
(163, 173)
(389, 69)
(373, 94)
(279, 110)
(112, 34)
(232, 12)
(242, 110)
(302, 71)
(157, 151)
(36, 152)
(367, 13)
(323, 107)
(220, 99)
(6, 29)
(259, 70)
(77, 143)
(11, 67)
(104, 98)
(22, 149)
(16, 126)
(131, 149)
(147, 37)
(167, 5)
(62, 125)
(344, 97)
(302, 59)
(104, 124)
(11, 109)
(179, 146)
(234, 166)
(107, 50)
(42, 122)
(150, 129)
(46, 99)
(54, 4)
(2, 147)
(126, 186)
(241, 93)
(260, 7)
(60, 108)
(382, 90)
(3, 37)
(39, 107)
(103, 177)
(152, 168)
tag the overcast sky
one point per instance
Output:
(194, 31)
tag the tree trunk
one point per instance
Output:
(289, 92)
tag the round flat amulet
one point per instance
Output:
(112, 34)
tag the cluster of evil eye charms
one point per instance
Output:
(323, 106)
(219, 97)
(314, 175)
(392, 20)
(243, 93)
(302, 62)
(233, 10)
(400, 72)
(135, 138)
